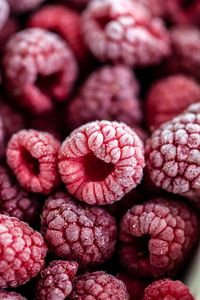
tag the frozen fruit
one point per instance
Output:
(78, 232)
(169, 97)
(33, 157)
(21, 6)
(9, 28)
(98, 286)
(167, 289)
(56, 280)
(173, 156)
(4, 12)
(22, 252)
(108, 94)
(157, 237)
(63, 21)
(101, 161)
(38, 67)
(124, 31)
(5, 295)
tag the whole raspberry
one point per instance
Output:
(157, 237)
(4, 12)
(98, 286)
(13, 200)
(22, 252)
(56, 280)
(21, 6)
(101, 161)
(33, 157)
(4, 295)
(167, 289)
(65, 22)
(10, 27)
(124, 31)
(173, 156)
(74, 231)
(38, 66)
(134, 286)
(108, 94)
(169, 97)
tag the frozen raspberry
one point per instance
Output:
(13, 200)
(74, 231)
(169, 97)
(32, 156)
(4, 295)
(22, 252)
(167, 289)
(21, 6)
(173, 156)
(65, 22)
(98, 286)
(38, 66)
(101, 161)
(10, 27)
(4, 12)
(157, 237)
(124, 31)
(56, 280)
(109, 94)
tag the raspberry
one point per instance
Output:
(38, 66)
(22, 252)
(65, 22)
(4, 12)
(167, 289)
(74, 231)
(173, 156)
(98, 286)
(169, 97)
(109, 94)
(157, 237)
(32, 156)
(4, 295)
(21, 6)
(56, 280)
(9, 28)
(125, 32)
(14, 201)
(101, 161)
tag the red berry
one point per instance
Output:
(157, 237)
(173, 156)
(167, 289)
(33, 157)
(38, 66)
(81, 233)
(101, 161)
(169, 97)
(65, 22)
(4, 13)
(4, 295)
(21, 6)
(22, 252)
(124, 31)
(56, 280)
(108, 94)
(98, 286)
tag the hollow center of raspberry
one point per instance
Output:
(188, 3)
(143, 247)
(31, 162)
(96, 169)
(46, 83)
(103, 21)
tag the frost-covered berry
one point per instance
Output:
(38, 67)
(98, 286)
(157, 237)
(21, 6)
(33, 157)
(4, 12)
(108, 94)
(56, 280)
(22, 252)
(5, 295)
(124, 31)
(78, 232)
(101, 161)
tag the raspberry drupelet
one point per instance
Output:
(98, 286)
(173, 156)
(63, 21)
(56, 280)
(75, 231)
(167, 289)
(101, 161)
(157, 237)
(39, 67)
(21, 6)
(4, 12)
(22, 252)
(124, 32)
(169, 97)
(108, 94)
(4, 295)
(33, 157)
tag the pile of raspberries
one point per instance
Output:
(99, 149)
